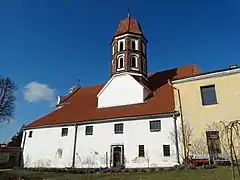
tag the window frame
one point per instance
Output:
(64, 132)
(113, 49)
(120, 58)
(121, 42)
(166, 152)
(133, 45)
(141, 150)
(203, 95)
(136, 62)
(87, 133)
(121, 129)
(152, 129)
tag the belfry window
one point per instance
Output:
(120, 62)
(134, 62)
(133, 45)
(121, 46)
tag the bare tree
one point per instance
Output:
(7, 99)
(183, 135)
(232, 130)
(199, 147)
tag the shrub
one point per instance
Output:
(106, 170)
(180, 167)
(211, 166)
(118, 170)
(191, 166)
(134, 169)
(159, 169)
(167, 169)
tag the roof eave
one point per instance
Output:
(140, 117)
(137, 34)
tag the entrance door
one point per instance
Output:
(117, 156)
(214, 145)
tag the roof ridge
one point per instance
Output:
(129, 21)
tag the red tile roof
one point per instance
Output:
(129, 25)
(82, 105)
(64, 98)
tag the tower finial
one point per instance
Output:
(129, 12)
(78, 82)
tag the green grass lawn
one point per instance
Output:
(221, 173)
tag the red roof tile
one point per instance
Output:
(129, 25)
(83, 104)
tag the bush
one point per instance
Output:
(134, 169)
(159, 169)
(211, 166)
(106, 170)
(118, 170)
(167, 169)
(180, 167)
(191, 167)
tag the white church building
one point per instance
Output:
(126, 122)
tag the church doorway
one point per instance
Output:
(117, 156)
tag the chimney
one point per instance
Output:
(233, 66)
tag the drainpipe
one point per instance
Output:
(181, 117)
(176, 136)
(74, 146)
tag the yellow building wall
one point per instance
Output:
(198, 116)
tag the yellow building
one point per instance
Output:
(206, 99)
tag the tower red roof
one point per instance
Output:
(129, 25)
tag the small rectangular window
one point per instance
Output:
(134, 45)
(89, 130)
(208, 94)
(118, 128)
(166, 150)
(141, 152)
(64, 132)
(155, 126)
(30, 134)
(121, 46)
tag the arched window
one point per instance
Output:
(121, 46)
(120, 62)
(134, 62)
(133, 45)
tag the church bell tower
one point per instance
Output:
(128, 83)
(129, 53)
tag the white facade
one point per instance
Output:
(119, 86)
(47, 148)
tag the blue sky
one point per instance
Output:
(46, 45)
